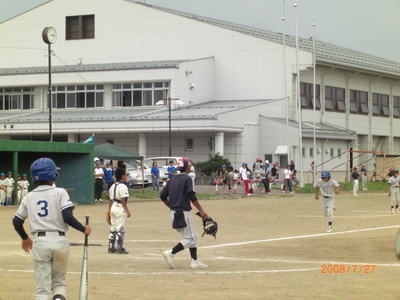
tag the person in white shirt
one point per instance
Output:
(287, 183)
(244, 177)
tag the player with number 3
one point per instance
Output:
(50, 212)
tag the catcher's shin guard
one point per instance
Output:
(120, 238)
(111, 240)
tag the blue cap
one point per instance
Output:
(9, 172)
(244, 164)
(223, 166)
(97, 162)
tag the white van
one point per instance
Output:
(164, 162)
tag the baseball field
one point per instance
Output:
(267, 247)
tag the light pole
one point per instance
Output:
(167, 101)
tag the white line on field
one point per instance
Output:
(353, 217)
(178, 272)
(298, 237)
(301, 261)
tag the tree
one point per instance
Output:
(212, 164)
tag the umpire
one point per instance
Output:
(177, 195)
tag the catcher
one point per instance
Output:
(177, 195)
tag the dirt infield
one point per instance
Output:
(273, 247)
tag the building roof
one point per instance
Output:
(322, 130)
(325, 53)
(208, 110)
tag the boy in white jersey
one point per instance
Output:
(394, 191)
(50, 212)
(328, 188)
(2, 190)
(24, 186)
(9, 184)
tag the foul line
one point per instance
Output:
(297, 237)
(177, 273)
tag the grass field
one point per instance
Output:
(267, 247)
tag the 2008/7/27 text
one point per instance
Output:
(343, 269)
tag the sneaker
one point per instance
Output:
(329, 228)
(121, 251)
(111, 250)
(355, 195)
(196, 264)
(292, 193)
(59, 297)
(283, 192)
(95, 200)
(248, 195)
(168, 257)
(392, 211)
(269, 193)
(101, 200)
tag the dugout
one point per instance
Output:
(74, 159)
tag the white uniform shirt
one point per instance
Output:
(121, 192)
(287, 173)
(8, 182)
(44, 206)
(243, 172)
(327, 187)
(24, 184)
(394, 182)
(98, 173)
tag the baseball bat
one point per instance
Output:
(83, 289)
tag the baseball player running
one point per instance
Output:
(328, 188)
(394, 191)
(177, 195)
(118, 208)
(50, 212)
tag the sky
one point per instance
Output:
(368, 26)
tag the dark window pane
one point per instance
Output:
(80, 100)
(90, 99)
(158, 84)
(127, 98)
(148, 85)
(137, 85)
(80, 87)
(353, 107)
(100, 86)
(70, 88)
(385, 111)
(88, 27)
(90, 87)
(364, 108)
(26, 101)
(375, 110)
(137, 98)
(126, 86)
(385, 100)
(340, 94)
(72, 28)
(396, 112)
(1, 102)
(147, 97)
(60, 100)
(363, 97)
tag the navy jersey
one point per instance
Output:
(177, 191)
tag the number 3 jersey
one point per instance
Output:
(44, 206)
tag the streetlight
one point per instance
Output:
(167, 101)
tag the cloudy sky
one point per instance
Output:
(369, 26)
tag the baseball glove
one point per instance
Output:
(210, 226)
(108, 218)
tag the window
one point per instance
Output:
(358, 102)
(80, 27)
(189, 144)
(334, 99)
(17, 98)
(311, 152)
(78, 96)
(303, 152)
(339, 153)
(307, 96)
(380, 105)
(138, 93)
(332, 152)
(396, 107)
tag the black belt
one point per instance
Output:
(99, 178)
(43, 233)
(327, 197)
(117, 201)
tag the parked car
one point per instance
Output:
(135, 176)
(163, 170)
(164, 162)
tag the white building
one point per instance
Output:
(113, 60)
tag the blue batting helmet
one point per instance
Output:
(9, 172)
(223, 166)
(23, 175)
(326, 174)
(2, 174)
(44, 169)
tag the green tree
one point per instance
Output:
(212, 164)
